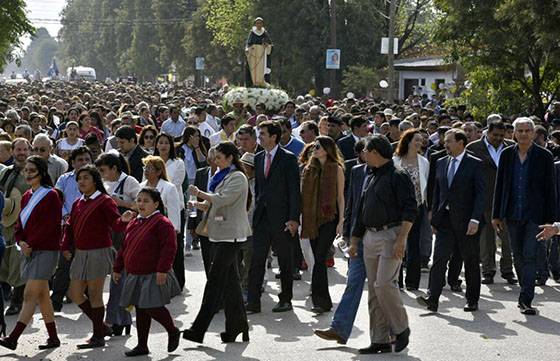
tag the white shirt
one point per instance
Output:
(93, 196)
(205, 129)
(272, 153)
(494, 153)
(130, 190)
(459, 158)
(174, 129)
(214, 122)
(170, 200)
(220, 137)
(176, 173)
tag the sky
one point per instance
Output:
(45, 13)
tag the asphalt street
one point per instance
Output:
(496, 332)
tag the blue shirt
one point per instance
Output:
(295, 146)
(519, 189)
(69, 186)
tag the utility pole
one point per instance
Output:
(391, 54)
(333, 92)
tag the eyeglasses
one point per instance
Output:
(149, 137)
(39, 150)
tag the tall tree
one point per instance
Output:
(13, 25)
(40, 52)
(516, 40)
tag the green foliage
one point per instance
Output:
(515, 41)
(40, 52)
(360, 80)
(13, 25)
(151, 37)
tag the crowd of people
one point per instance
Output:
(127, 180)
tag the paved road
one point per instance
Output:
(496, 332)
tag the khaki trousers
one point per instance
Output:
(387, 315)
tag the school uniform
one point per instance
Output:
(41, 233)
(148, 248)
(89, 232)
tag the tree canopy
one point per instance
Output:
(151, 37)
(13, 25)
(510, 48)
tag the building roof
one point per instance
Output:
(431, 63)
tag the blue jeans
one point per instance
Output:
(523, 236)
(346, 311)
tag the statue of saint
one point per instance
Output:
(257, 50)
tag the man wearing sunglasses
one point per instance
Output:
(42, 146)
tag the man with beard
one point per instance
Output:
(13, 185)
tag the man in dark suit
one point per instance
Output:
(456, 262)
(349, 165)
(488, 149)
(346, 144)
(276, 216)
(129, 148)
(457, 211)
(524, 198)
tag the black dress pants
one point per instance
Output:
(60, 280)
(448, 238)
(223, 284)
(207, 253)
(413, 254)
(319, 280)
(179, 261)
(263, 237)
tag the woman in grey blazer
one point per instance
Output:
(227, 224)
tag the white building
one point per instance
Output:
(424, 75)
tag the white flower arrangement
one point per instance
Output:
(274, 99)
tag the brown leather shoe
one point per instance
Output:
(331, 335)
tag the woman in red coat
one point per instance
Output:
(87, 238)
(38, 237)
(146, 257)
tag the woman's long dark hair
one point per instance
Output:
(188, 133)
(90, 168)
(172, 154)
(229, 149)
(155, 195)
(406, 138)
(42, 168)
(113, 160)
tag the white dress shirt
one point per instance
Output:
(176, 173)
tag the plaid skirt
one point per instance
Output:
(143, 291)
(92, 264)
(40, 265)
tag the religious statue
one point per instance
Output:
(257, 50)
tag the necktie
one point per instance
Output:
(451, 171)
(267, 165)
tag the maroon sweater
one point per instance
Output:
(43, 228)
(149, 246)
(90, 224)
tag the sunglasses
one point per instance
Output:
(149, 137)
(318, 146)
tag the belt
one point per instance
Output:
(385, 227)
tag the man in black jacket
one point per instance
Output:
(384, 218)
(457, 211)
(276, 216)
(524, 198)
(346, 144)
(488, 149)
(129, 148)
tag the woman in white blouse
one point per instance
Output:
(123, 189)
(175, 168)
